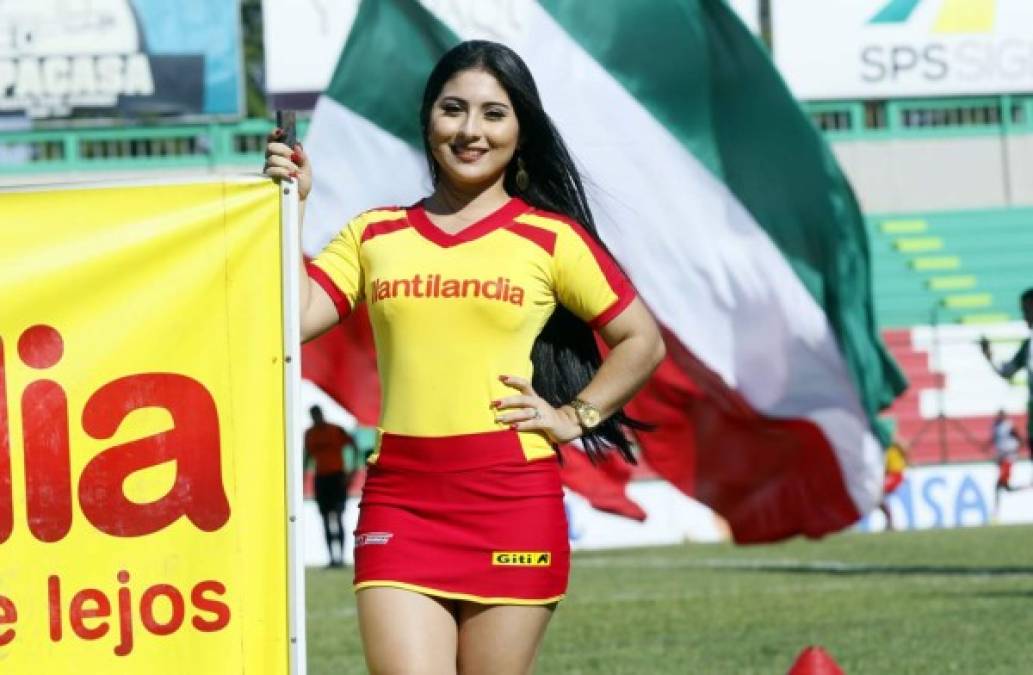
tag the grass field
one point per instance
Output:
(939, 601)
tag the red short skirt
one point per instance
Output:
(463, 517)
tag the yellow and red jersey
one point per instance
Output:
(451, 313)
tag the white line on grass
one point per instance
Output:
(723, 590)
(792, 564)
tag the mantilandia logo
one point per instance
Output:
(956, 16)
(436, 286)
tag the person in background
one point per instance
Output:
(1006, 442)
(1021, 359)
(325, 444)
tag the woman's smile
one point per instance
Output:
(468, 155)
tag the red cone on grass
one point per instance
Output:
(815, 661)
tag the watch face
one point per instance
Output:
(588, 414)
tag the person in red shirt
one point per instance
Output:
(325, 444)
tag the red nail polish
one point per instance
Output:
(513, 427)
(296, 157)
(495, 404)
(277, 131)
(293, 174)
(502, 378)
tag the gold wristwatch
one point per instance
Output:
(587, 414)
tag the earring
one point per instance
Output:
(522, 179)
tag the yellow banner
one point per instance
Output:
(142, 498)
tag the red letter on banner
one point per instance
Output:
(193, 442)
(6, 499)
(214, 606)
(79, 612)
(8, 616)
(48, 472)
(147, 609)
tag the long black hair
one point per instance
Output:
(565, 355)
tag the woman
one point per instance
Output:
(482, 299)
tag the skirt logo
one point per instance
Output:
(522, 558)
(370, 538)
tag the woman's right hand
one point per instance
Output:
(283, 162)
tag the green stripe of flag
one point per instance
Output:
(616, 34)
(754, 138)
(710, 82)
(393, 44)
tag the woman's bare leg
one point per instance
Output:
(500, 639)
(406, 633)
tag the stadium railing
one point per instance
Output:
(239, 142)
(171, 146)
(923, 118)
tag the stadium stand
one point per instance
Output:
(941, 280)
(968, 267)
(949, 373)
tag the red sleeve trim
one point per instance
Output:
(546, 239)
(344, 307)
(611, 312)
(615, 277)
(383, 227)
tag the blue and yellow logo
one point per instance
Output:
(956, 16)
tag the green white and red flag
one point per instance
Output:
(717, 196)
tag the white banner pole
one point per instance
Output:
(289, 227)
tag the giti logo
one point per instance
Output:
(522, 558)
(956, 16)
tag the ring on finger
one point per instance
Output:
(536, 413)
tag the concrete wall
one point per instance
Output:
(1020, 166)
(940, 173)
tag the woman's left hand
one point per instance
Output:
(530, 412)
